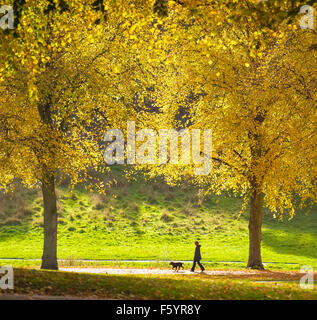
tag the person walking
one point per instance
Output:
(197, 258)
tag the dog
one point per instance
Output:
(176, 265)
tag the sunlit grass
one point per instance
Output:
(152, 222)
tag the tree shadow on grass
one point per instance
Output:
(297, 236)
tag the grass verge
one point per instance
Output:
(170, 287)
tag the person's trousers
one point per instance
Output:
(200, 265)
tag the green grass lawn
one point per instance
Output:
(57, 283)
(152, 221)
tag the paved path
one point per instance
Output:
(153, 271)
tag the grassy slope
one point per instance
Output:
(151, 221)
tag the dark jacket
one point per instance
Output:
(197, 253)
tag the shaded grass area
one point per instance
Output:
(151, 221)
(57, 283)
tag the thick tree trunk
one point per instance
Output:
(49, 258)
(255, 224)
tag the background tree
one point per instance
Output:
(241, 74)
(68, 79)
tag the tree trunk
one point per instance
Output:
(49, 258)
(255, 224)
